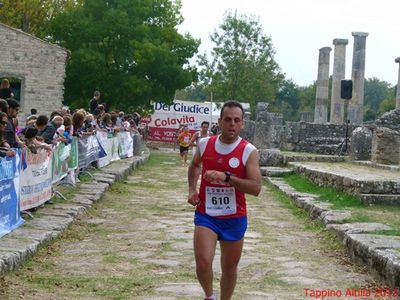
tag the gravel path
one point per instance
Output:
(136, 243)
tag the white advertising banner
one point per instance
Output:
(36, 179)
(166, 118)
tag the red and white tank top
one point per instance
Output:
(222, 200)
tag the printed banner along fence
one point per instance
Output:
(27, 180)
(10, 217)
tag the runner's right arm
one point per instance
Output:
(193, 176)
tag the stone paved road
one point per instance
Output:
(136, 243)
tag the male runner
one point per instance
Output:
(230, 168)
(184, 142)
(202, 133)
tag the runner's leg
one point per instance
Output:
(205, 241)
(230, 257)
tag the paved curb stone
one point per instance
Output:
(379, 252)
(24, 241)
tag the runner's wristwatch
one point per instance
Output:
(227, 176)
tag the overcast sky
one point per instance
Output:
(299, 28)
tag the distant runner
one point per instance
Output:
(202, 133)
(184, 142)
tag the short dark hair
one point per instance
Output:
(12, 103)
(205, 122)
(3, 106)
(42, 120)
(96, 112)
(231, 104)
(30, 132)
(33, 111)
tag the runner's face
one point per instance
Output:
(204, 128)
(231, 123)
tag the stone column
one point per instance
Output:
(339, 69)
(397, 60)
(321, 97)
(356, 104)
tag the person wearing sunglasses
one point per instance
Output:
(5, 149)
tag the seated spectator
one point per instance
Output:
(5, 149)
(101, 108)
(89, 123)
(114, 119)
(78, 120)
(46, 129)
(120, 118)
(68, 125)
(65, 111)
(3, 106)
(5, 91)
(106, 122)
(96, 118)
(33, 111)
(136, 118)
(55, 113)
(31, 120)
(33, 144)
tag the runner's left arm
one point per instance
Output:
(249, 185)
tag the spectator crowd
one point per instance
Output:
(43, 131)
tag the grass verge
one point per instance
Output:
(387, 215)
(338, 199)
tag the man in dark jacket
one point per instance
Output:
(46, 129)
(10, 135)
(95, 101)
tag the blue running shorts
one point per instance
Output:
(227, 229)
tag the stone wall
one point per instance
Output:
(314, 138)
(390, 119)
(39, 65)
(379, 141)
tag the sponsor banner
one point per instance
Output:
(10, 217)
(166, 119)
(73, 156)
(114, 148)
(164, 135)
(36, 178)
(125, 141)
(102, 137)
(61, 153)
(89, 150)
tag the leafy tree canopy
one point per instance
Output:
(379, 97)
(130, 50)
(33, 16)
(242, 65)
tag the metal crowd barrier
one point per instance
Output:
(29, 179)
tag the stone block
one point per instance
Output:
(271, 157)
(361, 143)
(386, 146)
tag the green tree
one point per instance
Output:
(33, 16)
(128, 49)
(288, 100)
(194, 92)
(387, 105)
(375, 92)
(242, 65)
(307, 98)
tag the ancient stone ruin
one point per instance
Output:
(40, 66)
(378, 142)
